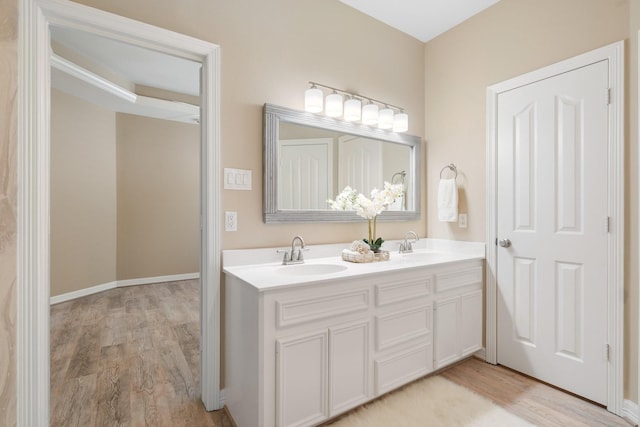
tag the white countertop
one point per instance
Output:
(263, 269)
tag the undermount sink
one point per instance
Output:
(423, 256)
(311, 269)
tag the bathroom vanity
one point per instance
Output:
(307, 342)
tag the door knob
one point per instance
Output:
(504, 243)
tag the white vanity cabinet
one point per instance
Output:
(458, 315)
(300, 354)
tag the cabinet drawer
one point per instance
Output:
(457, 279)
(402, 326)
(309, 309)
(390, 293)
(401, 368)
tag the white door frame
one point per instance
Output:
(33, 253)
(615, 292)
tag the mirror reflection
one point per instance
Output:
(309, 159)
(316, 164)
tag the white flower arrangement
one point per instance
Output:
(368, 208)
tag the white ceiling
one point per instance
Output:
(422, 19)
(138, 65)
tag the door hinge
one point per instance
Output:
(607, 352)
(608, 96)
(607, 224)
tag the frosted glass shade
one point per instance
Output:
(401, 122)
(385, 118)
(333, 105)
(313, 99)
(352, 110)
(370, 114)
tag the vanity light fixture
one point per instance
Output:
(352, 109)
(333, 105)
(400, 122)
(385, 118)
(389, 117)
(313, 100)
(370, 114)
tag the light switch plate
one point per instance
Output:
(237, 179)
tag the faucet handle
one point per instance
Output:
(300, 257)
(287, 256)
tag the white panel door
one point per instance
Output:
(348, 366)
(552, 207)
(447, 331)
(305, 177)
(360, 164)
(302, 380)
(471, 305)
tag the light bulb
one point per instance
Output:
(401, 122)
(333, 105)
(352, 109)
(370, 114)
(385, 118)
(313, 100)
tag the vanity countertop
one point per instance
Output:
(263, 269)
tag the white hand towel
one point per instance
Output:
(448, 200)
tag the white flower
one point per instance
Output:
(368, 208)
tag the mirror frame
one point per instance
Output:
(274, 115)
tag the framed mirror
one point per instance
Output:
(309, 159)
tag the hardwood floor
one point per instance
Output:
(130, 357)
(531, 400)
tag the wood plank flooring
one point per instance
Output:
(531, 400)
(131, 357)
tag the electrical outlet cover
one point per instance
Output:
(230, 221)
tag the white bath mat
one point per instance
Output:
(432, 402)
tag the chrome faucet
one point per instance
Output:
(295, 256)
(405, 245)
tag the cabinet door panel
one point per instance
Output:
(471, 323)
(302, 380)
(447, 331)
(348, 366)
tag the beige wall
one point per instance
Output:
(83, 194)
(270, 50)
(506, 40)
(129, 218)
(158, 197)
(8, 182)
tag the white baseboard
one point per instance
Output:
(481, 354)
(82, 292)
(158, 279)
(120, 284)
(223, 397)
(631, 412)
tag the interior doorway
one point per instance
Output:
(563, 271)
(37, 18)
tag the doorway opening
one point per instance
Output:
(37, 18)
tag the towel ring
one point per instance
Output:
(452, 167)
(401, 174)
